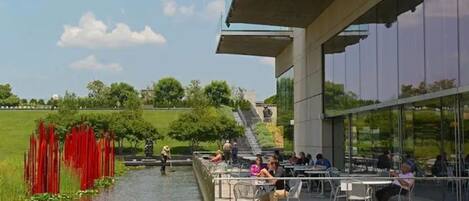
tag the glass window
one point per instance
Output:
(285, 107)
(352, 68)
(464, 41)
(368, 68)
(441, 44)
(387, 51)
(373, 134)
(411, 50)
(339, 69)
(429, 132)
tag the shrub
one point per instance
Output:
(264, 136)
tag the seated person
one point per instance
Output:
(385, 161)
(440, 167)
(302, 160)
(403, 181)
(218, 157)
(293, 159)
(321, 161)
(273, 171)
(309, 159)
(256, 167)
(277, 154)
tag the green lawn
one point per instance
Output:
(17, 126)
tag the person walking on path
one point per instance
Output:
(234, 153)
(227, 151)
(165, 155)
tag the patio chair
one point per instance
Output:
(360, 192)
(295, 190)
(244, 190)
(335, 184)
(408, 196)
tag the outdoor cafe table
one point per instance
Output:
(321, 173)
(370, 183)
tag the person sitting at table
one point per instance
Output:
(321, 161)
(218, 157)
(302, 159)
(403, 180)
(277, 154)
(256, 167)
(274, 170)
(292, 160)
(440, 167)
(310, 160)
(385, 161)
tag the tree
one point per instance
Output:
(218, 93)
(271, 100)
(204, 124)
(5, 91)
(68, 105)
(168, 91)
(120, 92)
(41, 102)
(96, 88)
(195, 96)
(33, 101)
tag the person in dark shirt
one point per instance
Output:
(274, 171)
(385, 161)
(277, 154)
(302, 159)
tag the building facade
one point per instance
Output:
(369, 76)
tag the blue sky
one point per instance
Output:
(48, 47)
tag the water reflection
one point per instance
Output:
(149, 185)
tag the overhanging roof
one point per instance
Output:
(254, 43)
(338, 43)
(289, 13)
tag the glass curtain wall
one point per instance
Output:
(285, 104)
(397, 49)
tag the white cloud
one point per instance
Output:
(171, 8)
(267, 61)
(91, 63)
(187, 10)
(93, 33)
(215, 8)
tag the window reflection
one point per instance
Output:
(285, 107)
(397, 49)
(441, 44)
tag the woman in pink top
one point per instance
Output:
(256, 167)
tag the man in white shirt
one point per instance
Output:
(227, 152)
(403, 180)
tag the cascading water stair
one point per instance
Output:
(248, 143)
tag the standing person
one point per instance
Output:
(234, 152)
(227, 151)
(165, 155)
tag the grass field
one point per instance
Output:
(17, 126)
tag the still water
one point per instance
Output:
(149, 185)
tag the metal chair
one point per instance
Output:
(407, 197)
(295, 190)
(335, 184)
(244, 190)
(360, 192)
